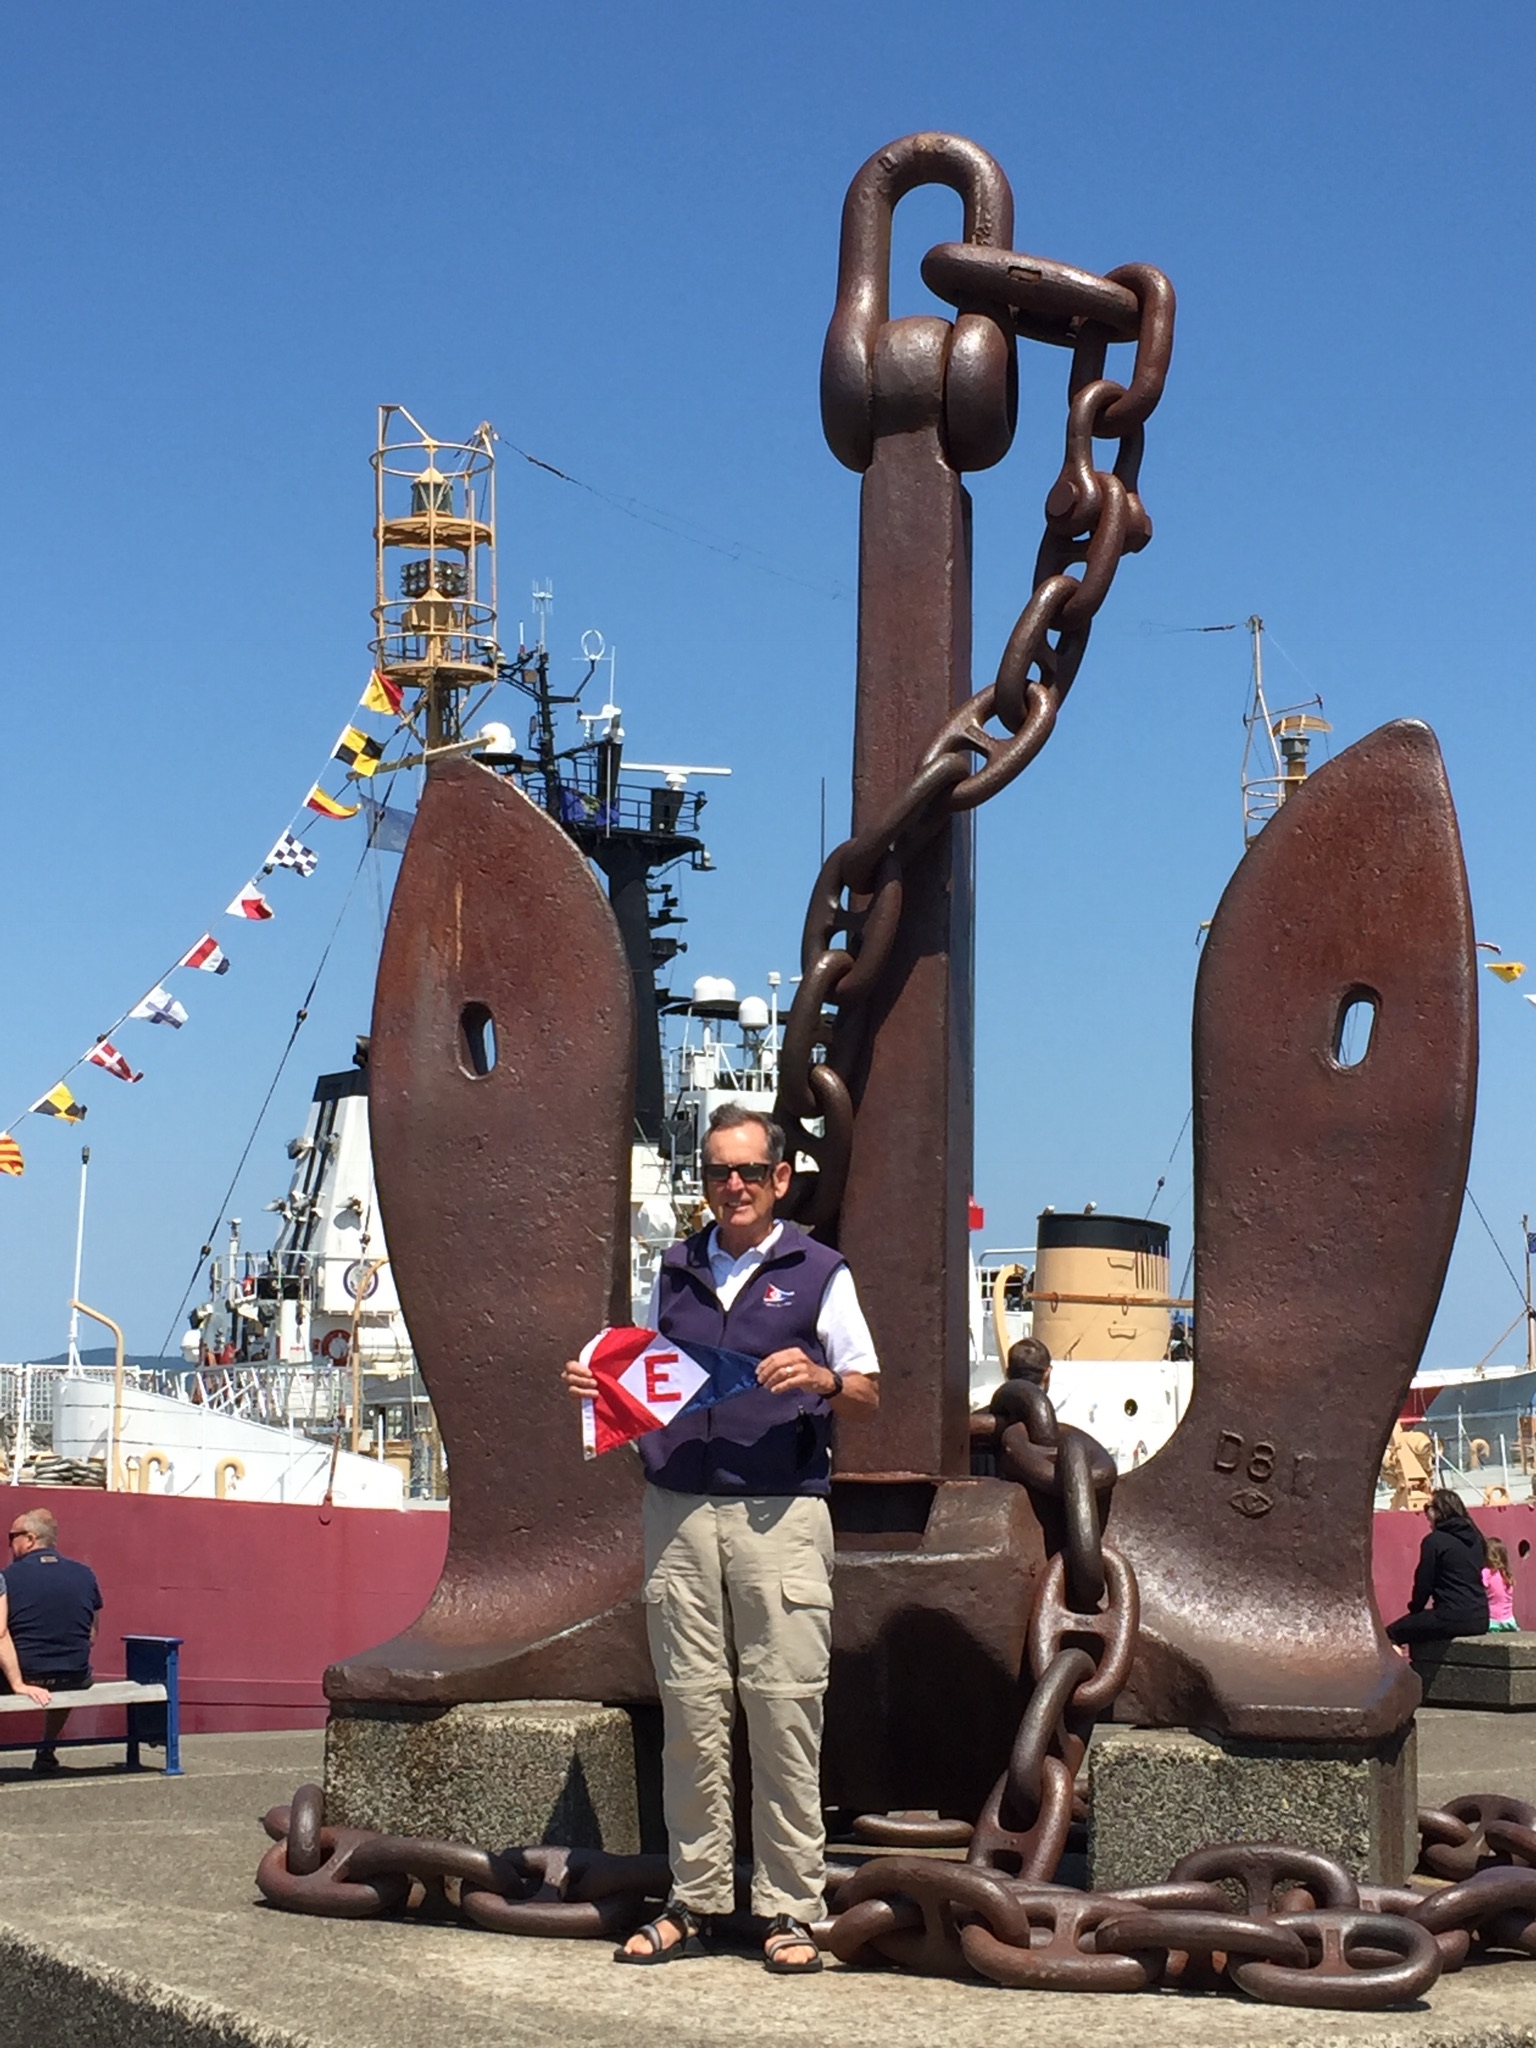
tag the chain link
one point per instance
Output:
(358, 1874)
(1458, 1839)
(1079, 1657)
(881, 376)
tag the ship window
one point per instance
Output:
(1352, 1034)
(477, 1039)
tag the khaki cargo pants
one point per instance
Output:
(738, 1598)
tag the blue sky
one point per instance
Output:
(231, 232)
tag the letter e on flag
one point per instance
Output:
(658, 1378)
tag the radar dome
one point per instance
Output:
(752, 1014)
(714, 988)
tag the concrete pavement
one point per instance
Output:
(128, 1918)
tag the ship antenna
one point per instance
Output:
(543, 600)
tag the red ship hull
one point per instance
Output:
(266, 1596)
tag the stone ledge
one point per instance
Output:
(56, 1998)
(499, 1774)
(1506, 1649)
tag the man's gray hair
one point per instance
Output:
(731, 1116)
(40, 1523)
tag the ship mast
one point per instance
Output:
(435, 640)
(631, 832)
(434, 608)
(1275, 752)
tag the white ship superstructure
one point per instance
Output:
(716, 1049)
(324, 1293)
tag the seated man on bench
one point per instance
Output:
(10, 1670)
(50, 1606)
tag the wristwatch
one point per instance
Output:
(837, 1384)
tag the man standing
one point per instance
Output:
(738, 1545)
(53, 1603)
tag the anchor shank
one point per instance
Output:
(904, 1213)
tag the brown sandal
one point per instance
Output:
(785, 1931)
(688, 1925)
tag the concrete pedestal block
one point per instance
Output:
(1160, 1792)
(1479, 1671)
(499, 1774)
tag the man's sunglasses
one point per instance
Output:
(752, 1175)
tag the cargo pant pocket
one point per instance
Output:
(688, 1630)
(788, 1652)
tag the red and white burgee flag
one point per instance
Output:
(105, 1054)
(249, 903)
(646, 1381)
(207, 954)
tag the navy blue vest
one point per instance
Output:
(757, 1442)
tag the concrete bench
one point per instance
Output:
(150, 1693)
(1479, 1671)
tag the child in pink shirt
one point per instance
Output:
(1500, 1582)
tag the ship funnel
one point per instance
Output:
(1101, 1286)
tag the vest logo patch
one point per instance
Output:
(777, 1297)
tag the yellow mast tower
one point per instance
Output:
(434, 608)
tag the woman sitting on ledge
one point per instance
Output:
(1448, 1598)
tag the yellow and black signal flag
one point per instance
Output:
(59, 1102)
(328, 806)
(11, 1160)
(361, 754)
(382, 695)
(1506, 970)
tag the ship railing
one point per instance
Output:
(256, 1266)
(283, 1397)
(1489, 1469)
(1490, 1482)
(627, 807)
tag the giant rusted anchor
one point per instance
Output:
(1327, 1195)
(1326, 1205)
(504, 1184)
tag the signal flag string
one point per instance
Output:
(301, 1017)
(362, 754)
